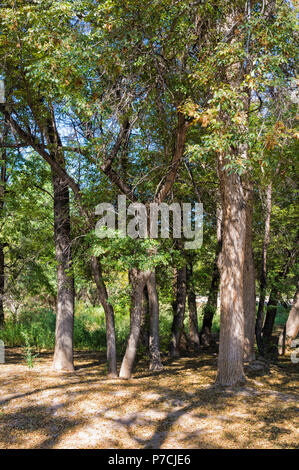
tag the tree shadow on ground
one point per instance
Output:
(178, 404)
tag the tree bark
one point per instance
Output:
(154, 340)
(263, 275)
(63, 354)
(179, 313)
(193, 321)
(291, 329)
(64, 332)
(249, 294)
(109, 317)
(138, 279)
(231, 346)
(211, 306)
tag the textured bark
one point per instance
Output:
(249, 294)
(154, 341)
(109, 317)
(211, 305)
(263, 275)
(2, 275)
(179, 313)
(138, 280)
(291, 329)
(193, 322)
(231, 346)
(63, 354)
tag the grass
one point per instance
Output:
(89, 327)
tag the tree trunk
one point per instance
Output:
(154, 341)
(211, 305)
(263, 275)
(2, 194)
(64, 332)
(270, 317)
(63, 354)
(249, 295)
(144, 328)
(179, 313)
(109, 317)
(290, 259)
(193, 322)
(138, 280)
(231, 346)
(291, 329)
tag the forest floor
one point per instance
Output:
(175, 408)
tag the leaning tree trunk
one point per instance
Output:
(291, 329)
(154, 341)
(63, 354)
(231, 346)
(263, 275)
(211, 306)
(249, 295)
(138, 280)
(179, 313)
(109, 316)
(193, 321)
(2, 194)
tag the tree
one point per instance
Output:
(193, 321)
(179, 311)
(263, 275)
(211, 305)
(292, 326)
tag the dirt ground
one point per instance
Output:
(175, 408)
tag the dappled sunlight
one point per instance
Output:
(178, 407)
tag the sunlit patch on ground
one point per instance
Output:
(175, 408)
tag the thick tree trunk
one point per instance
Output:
(211, 305)
(64, 332)
(179, 313)
(2, 194)
(249, 295)
(193, 321)
(263, 275)
(291, 329)
(109, 317)
(154, 341)
(138, 280)
(231, 346)
(63, 354)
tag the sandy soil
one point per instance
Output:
(175, 408)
